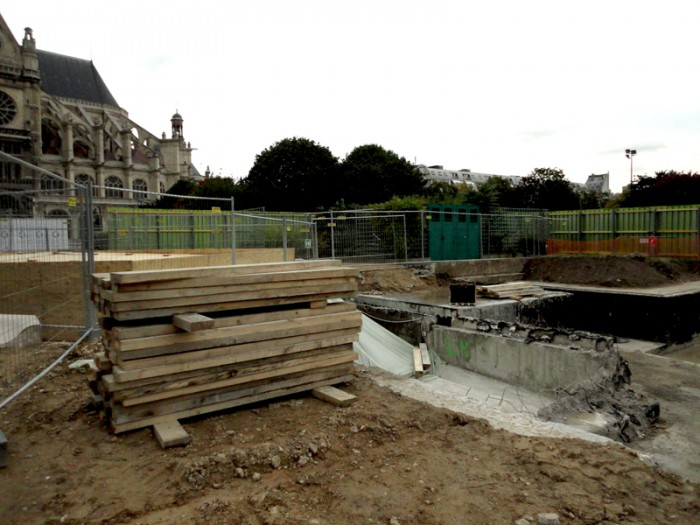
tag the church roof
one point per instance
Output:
(70, 77)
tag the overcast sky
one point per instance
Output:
(494, 86)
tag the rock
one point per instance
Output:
(275, 461)
(313, 448)
(548, 518)
(522, 521)
(256, 478)
(394, 521)
(303, 461)
(220, 458)
(239, 472)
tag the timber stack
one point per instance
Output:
(184, 342)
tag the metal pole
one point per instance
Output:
(332, 227)
(315, 247)
(233, 233)
(405, 240)
(284, 239)
(422, 235)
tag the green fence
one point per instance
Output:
(662, 231)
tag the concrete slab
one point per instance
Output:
(18, 331)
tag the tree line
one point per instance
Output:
(297, 174)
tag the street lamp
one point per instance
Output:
(630, 153)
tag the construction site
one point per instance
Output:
(280, 384)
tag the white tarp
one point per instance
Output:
(380, 348)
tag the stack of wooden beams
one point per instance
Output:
(515, 290)
(184, 342)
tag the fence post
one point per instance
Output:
(284, 239)
(405, 240)
(422, 235)
(331, 224)
(315, 241)
(233, 233)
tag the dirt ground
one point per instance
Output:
(387, 459)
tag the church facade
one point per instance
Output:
(57, 113)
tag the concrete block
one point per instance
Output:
(4, 456)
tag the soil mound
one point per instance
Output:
(612, 271)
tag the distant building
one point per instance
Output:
(464, 176)
(57, 113)
(598, 183)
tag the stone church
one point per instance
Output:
(57, 113)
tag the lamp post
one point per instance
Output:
(630, 153)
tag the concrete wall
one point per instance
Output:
(535, 366)
(480, 268)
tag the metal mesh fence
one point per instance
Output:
(363, 236)
(43, 294)
(55, 233)
(510, 234)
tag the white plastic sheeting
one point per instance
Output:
(380, 348)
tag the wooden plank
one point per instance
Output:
(170, 433)
(125, 425)
(244, 350)
(216, 271)
(334, 396)
(425, 356)
(123, 332)
(261, 372)
(135, 388)
(417, 362)
(231, 335)
(233, 305)
(193, 322)
(212, 285)
(293, 345)
(187, 403)
(200, 302)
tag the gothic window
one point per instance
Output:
(83, 179)
(81, 150)
(140, 187)
(10, 173)
(50, 138)
(8, 109)
(114, 188)
(161, 187)
(52, 184)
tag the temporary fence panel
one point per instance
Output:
(362, 236)
(514, 233)
(43, 282)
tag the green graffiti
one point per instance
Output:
(463, 351)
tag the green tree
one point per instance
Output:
(372, 174)
(181, 187)
(548, 189)
(666, 188)
(295, 174)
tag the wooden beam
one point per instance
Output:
(334, 396)
(170, 433)
(425, 356)
(297, 344)
(217, 271)
(125, 426)
(193, 322)
(417, 362)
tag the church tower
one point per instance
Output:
(176, 121)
